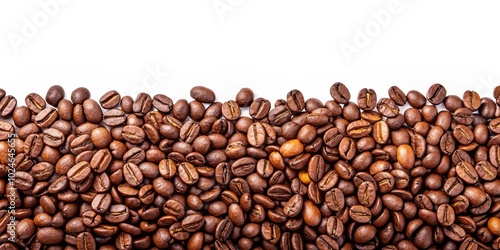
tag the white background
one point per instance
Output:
(271, 46)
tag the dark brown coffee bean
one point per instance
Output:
(279, 192)
(101, 160)
(53, 137)
(463, 134)
(189, 131)
(243, 167)
(259, 108)
(359, 129)
(79, 172)
(469, 243)
(295, 101)
(142, 104)
(132, 174)
(360, 214)
(244, 97)
(294, 206)
(466, 172)
(387, 107)
(114, 117)
(340, 93)
(256, 134)
(364, 233)
(46, 117)
(21, 116)
(332, 137)
(367, 193)
(471, 100)
(85, 241)
(453, 186)
(279, 115)
(7, 105)
(328, 181)
(347, 148)
(188, 173)
(54, 94)
(270, 232)
(455, 232)
(133, 134)
(92, 111)
(110, 99)
(79, 95)
(35, 102)
(50, 236)
(202, 94)
(445, 215)
(367, 99)
(162, 103)
(224, 229)
(436, 93)
(91, 219)
(101, 203)
(397, 95)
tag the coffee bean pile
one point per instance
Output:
(151, 173)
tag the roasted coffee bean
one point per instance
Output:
(397, 95)
(244, 97)
(79, 172)
(360, 214)
(231, 110)
(114, 117)
(295, 101)
(485, 170)
(387, 107)
(259, 108)
(110, 99)
(133, 134)
(453, 186)
(340, 93)
(367, 193)
(436, 94)
(359, 129)
(293, 206)
(471, 100)
(188, 173)
(46, 117)
(92, 111)
(162, 103)
(466, 172)
(445, 215)
(367, 99)
(53, 137)
(243, 166)
(142, 104)
(132, 174)
(7, 105)
(202, 94)
(79, 95)
(35, 102)
(415, 99)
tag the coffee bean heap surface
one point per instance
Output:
(406, 171)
